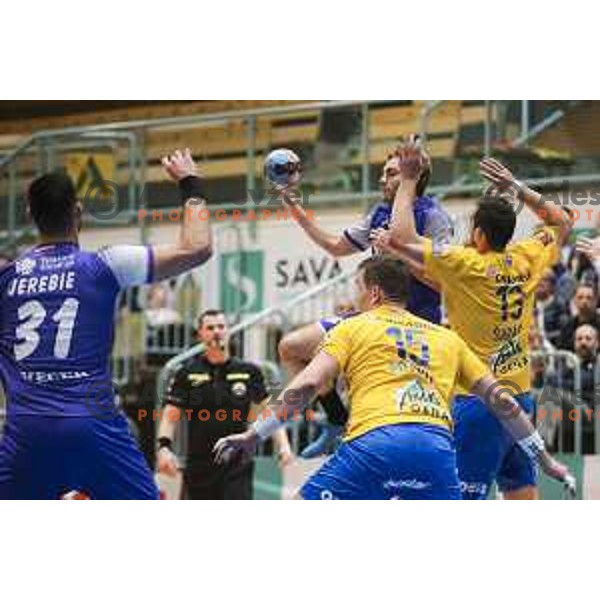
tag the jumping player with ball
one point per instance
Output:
(298, 347)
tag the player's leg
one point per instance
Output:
(481, 445)
(517, 476)
(296, 350)
(117, 468)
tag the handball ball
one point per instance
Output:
(283, 168)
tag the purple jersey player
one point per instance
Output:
(298, 347)
(64, 430)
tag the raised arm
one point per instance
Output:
(591, 248)
(193, 244)
(501, 177)
(336, 245)
(404, 239)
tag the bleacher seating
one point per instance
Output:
(222, 147)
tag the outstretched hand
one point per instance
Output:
(561, 473)
(235, 448)
(411, 161)
(381, 240)
(179, 165)
(495, 172)
(589, 247)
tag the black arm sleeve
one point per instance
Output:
(178, 389)
(190, 187)
(257, 388)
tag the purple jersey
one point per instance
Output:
(431, 221)
(57, 324)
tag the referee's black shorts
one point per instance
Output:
(219, 483)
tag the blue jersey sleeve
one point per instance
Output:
(359, 235)
(438, 226)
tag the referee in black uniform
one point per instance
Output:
(213, 395)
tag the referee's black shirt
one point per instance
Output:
(215, 401)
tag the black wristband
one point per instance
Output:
(190, 187)
(165, 442)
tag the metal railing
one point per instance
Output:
(307, 307)
(567, 411)
(46, 149)
(255, 339)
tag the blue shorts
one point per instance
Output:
(486, 452)
(45, 457)
(395, 462)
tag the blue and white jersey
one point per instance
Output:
(431, 221)
(57, 323)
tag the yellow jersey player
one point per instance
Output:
(401, 372)
(488, 288)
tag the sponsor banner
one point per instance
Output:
(281, 263)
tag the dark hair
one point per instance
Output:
(587, 284)
(51, 200)
(389, 274)
(211, 312)
(496, 218)
(585, 272)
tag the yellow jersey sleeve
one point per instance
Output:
(542, 249)
(338, 343)
(443, 262)
(470, 368)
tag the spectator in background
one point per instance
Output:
(580, 269)
(565, 284)
(161, 307)
(551, 313)
(586, 304)
(586, 349)
(166, 329)
(537, 344)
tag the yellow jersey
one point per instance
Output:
(489, 299)
(399, 368)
